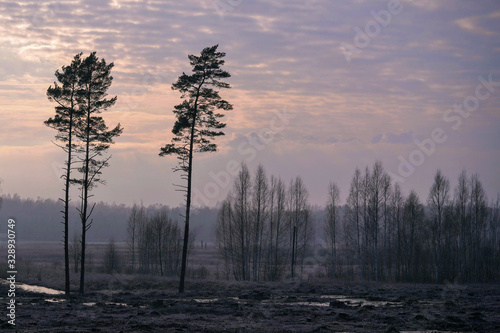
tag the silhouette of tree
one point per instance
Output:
(260, 209)
(64, 93)
(91, 130)
(300, 223)
(478, 216)
(413, 217)
(438, 201)
(353, 216)
(331, 225)
(136, 220)
(197, 122)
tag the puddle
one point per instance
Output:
(312, 303)
(35, 289)
(55, 300)
(106, 303)
(117, 304)
(205, 300)
(323, 302)
(353, 302)
(38, 289)
(359, 301)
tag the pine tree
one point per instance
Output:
(197, 122)
(91, 130)
(64, 94)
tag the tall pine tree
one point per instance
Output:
(94, 79)
(197, 122)
(64, 93)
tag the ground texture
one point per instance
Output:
(270, 307)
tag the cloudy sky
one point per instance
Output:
(319, 87)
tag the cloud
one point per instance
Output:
(310, 138)
(394, 138)
(474, 24)
(332, 139)
(377, 138)
(404, 138)
(428, 5)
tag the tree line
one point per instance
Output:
(265, 231)
(110, 219)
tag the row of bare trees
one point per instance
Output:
(387, 235)
(154, 242)
(264, 229)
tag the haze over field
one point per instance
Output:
(359, 80)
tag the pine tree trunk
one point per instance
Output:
(188, 208)
(66, 222)
(294, 248)
(85, 200)
(66, 207)
(188, 196)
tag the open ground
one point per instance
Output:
(138, 303)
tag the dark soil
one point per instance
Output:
(268, 307)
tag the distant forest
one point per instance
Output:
(267, 230)
(39, 220)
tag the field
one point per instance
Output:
(136, 303)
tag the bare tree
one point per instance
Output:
(397, 209)
(306, 238)
(413, 224)
(478, 214)
(387, 234)
(461, 202)
(260, 215)
(493, 240)
(300, 223)
(331, 225)
(145, 252)
(277, 230)
(136, 219)
(353, 216)
(375, 210)
(242, 226)
(438, 202)
(224, 236)
(159, 222)
(367, 240)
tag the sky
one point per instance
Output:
(319, 87)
